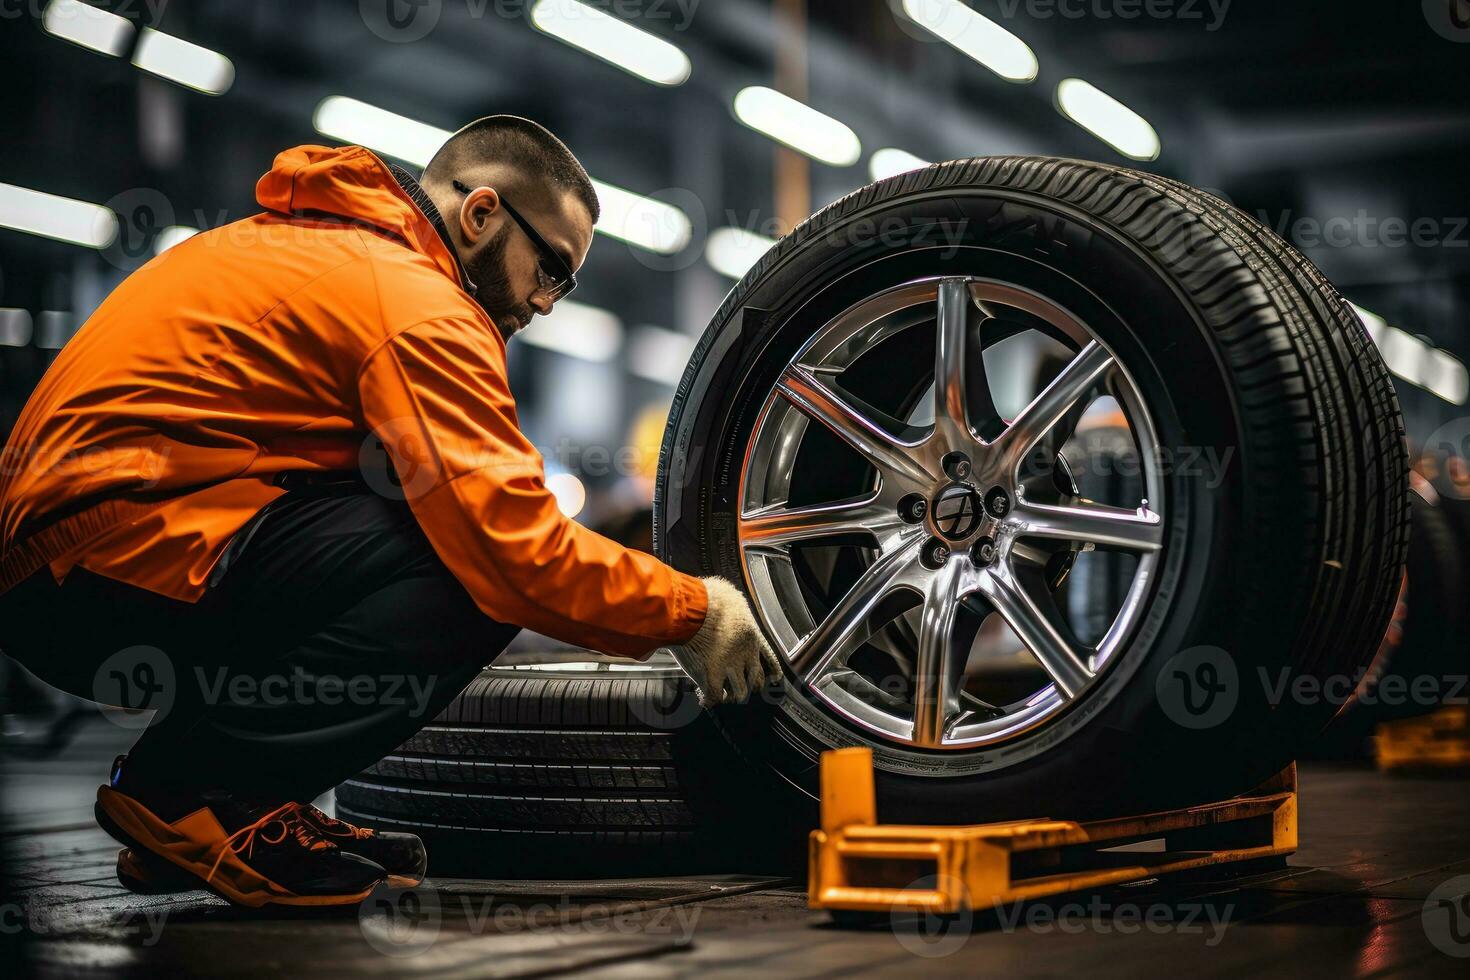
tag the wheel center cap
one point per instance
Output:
(958, 511)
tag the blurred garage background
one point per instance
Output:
(714, 127)
(132, 123)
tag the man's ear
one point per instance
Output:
(477, 211)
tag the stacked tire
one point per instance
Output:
(558, 771)
(1426, 653)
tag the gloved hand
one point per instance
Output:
(729, 656)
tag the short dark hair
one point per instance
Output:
(521, 144)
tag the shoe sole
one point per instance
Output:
(152, 876)
(134, 825)
(156, 876)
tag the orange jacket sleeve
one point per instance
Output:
(437, 399)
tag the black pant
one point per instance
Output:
(335, 634)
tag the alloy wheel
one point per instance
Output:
(965, 516)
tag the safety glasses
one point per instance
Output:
(555, 276)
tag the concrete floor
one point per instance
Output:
(1351, 903)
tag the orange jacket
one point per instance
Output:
(295, 340)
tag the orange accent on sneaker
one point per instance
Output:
(192, 841)
(288, 816)
(336, 827)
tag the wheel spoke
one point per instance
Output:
(820, 648)
(1030, 612)
(777, 525)
(815, 399)
(1107, 528)
(939, 668)
(1052, 405)
(961, 392)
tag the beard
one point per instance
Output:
(493, 290)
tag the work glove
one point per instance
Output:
(729, 657)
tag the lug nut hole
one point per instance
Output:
(997, 502)
(935, 554)
(912, 508)
(956, 466)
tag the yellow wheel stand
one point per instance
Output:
(859, 865)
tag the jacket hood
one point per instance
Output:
(351, 183)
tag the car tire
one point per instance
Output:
(1278, 573)
(555, 770)
(1427, 663)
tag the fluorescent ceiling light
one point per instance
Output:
(171, 236)
(658, 354)
(797, 125)
(613, 40)
(54, 328)
(576, 330)
(1406, 356)
(1448, 378)
(61, 218)
(570, 493)
(977, 36)
(1372, 322)
(15, 327)
(89, 26)
(1108, 119)
(627, 216)
(184, 62)
(387, 132)
(733, 251)
(641, 221)
(891, 161)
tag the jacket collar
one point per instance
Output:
(420, 197)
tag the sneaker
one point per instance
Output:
(402, 856)
(248, 854)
